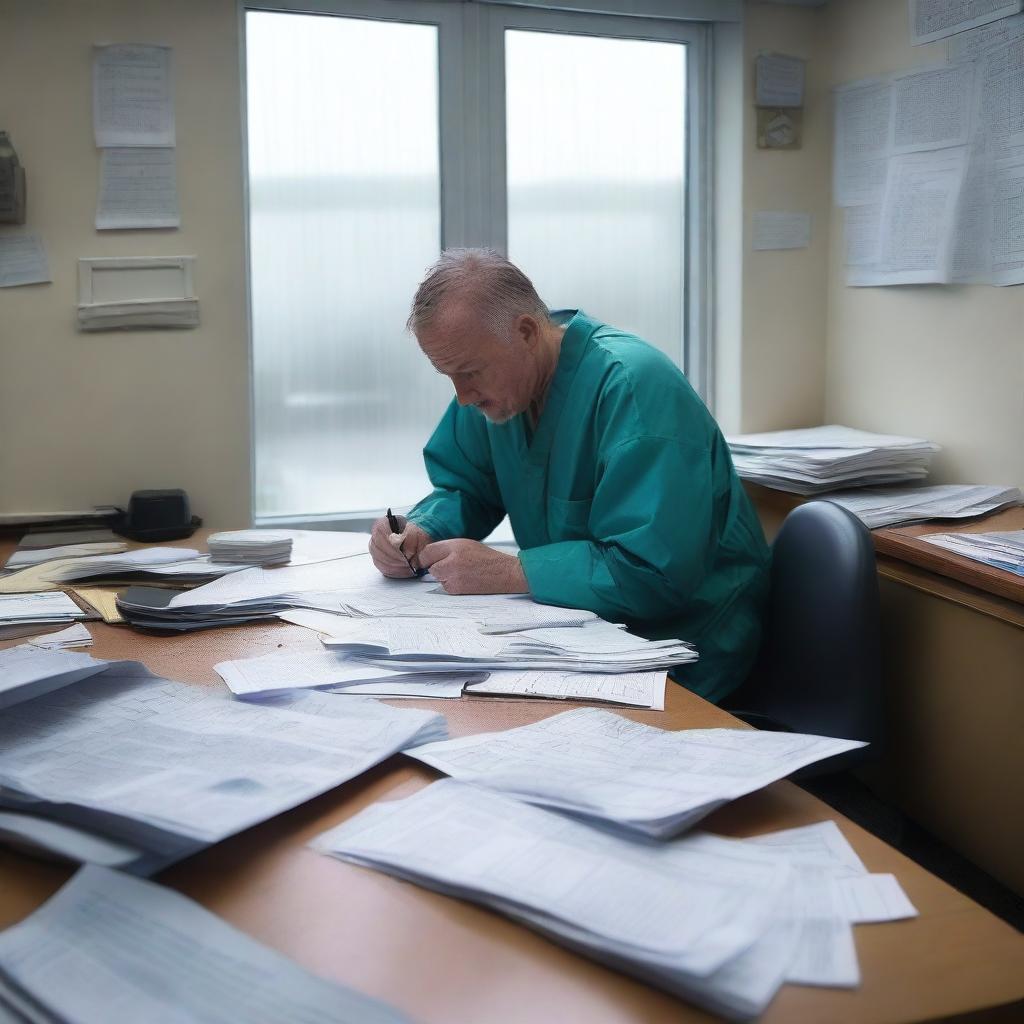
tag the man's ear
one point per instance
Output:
(527, 330)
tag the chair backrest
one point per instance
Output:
(820, 669)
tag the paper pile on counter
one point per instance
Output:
(23, 614)
(251, 547)
(1001, 550)
(723, 923)
(887, 506)
(818, 459)
(177, 565)
(107, 947)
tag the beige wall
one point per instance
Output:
(784, 292)
(946, 363)
(86, 418)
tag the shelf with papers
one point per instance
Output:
(902, 555)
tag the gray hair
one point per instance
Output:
(496, 291)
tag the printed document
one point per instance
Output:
(110, 947)
(138, 189)
(133, 102)
(600, 765)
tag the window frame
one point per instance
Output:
(471, 113)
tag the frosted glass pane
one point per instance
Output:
(596, 144)
(344, 193)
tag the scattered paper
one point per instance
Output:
(74, 636)
(108, 946)
(599, 765)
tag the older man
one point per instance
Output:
(616, 479)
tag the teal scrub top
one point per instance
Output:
(623, 501)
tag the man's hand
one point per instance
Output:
(384, 547)
(469, 567)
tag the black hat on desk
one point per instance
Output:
(158, 515)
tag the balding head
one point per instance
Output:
(478, 285)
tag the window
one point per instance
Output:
(379, 133)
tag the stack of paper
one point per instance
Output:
(599, 765)
(438, 657)
(178, 565)
(74, 636)
(285, 671)
(109, 947)
(1002, 550)
(350, 586)
(163, 769)
(819, 459)
(33, 556)
(23, 613)
(252, 547)
(720, 922)
(27, 671)
(886, 506)
(431, 645)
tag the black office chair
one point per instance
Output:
(819, 670)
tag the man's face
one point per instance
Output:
(496, 375)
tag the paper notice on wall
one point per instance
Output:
(932, 108)
(133, 102)
(1008, 224)
(918, 220)
(777, 230)
(780, 81)
(138, 189)
(22, 260)
(863, 126)
(972, 45)
(863, 227)
(937, 19)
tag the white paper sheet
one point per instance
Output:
(863, 127)
(138, 189)
(22, 259)
(632, 689)
(863, 231)
(937, 19)
(74, 636)
(779, 81)
(282, 671)
(601, 765)
(33, 556)
(918, 220)
(663, 900)
(28, 672)
(133, 100)
(972, 44)
(778, 230)
(192, 764)
(932, 108)
(109, 947)
(25, 607)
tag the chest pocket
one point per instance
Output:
(569, 520)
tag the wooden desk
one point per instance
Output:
(445, 961)
(905, 543)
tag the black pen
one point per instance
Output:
(394, 528)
